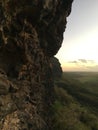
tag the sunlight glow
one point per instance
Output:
(83, 47)
(79, 50)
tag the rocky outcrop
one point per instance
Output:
(56, 68)
(31, 31)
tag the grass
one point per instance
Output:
(76, 106)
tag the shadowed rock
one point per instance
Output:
(56, 68)
(31, 31)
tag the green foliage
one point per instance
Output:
(90, 120)
(63, 96)
(75, 107)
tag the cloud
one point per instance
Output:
(81, 65)
(82, 61)
(93, 68)
(73, 61)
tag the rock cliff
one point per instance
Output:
(31, 32)
(56, 68)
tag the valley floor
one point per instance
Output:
(76, 105)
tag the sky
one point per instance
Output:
(79, 51)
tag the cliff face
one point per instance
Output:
(56, 68)
(31, 31)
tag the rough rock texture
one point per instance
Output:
(56, 68)
(31, 31)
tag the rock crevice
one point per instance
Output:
(31, 32)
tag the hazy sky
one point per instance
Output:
(79, 50)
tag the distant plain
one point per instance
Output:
(76, 105)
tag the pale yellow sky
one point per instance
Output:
(81, 38)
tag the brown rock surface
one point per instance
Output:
(31, 31)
